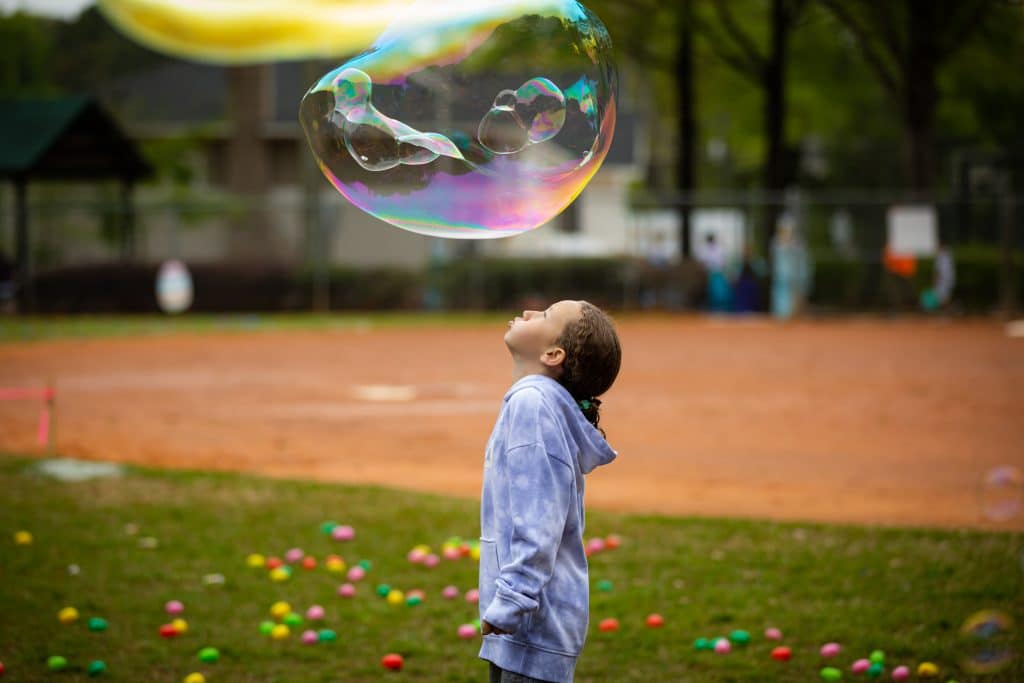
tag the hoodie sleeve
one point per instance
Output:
(539, 495)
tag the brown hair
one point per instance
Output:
(592, 359)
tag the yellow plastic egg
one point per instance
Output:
(279, 609)
(255, 561)
(280, 574)
(927, 670)
(280, 632)
(180, 625)
(396, 597)
(195, 677)
(22, 537)
(67, 615)
(474, 552)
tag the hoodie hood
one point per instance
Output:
(592, 449)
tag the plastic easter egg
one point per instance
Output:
(782, 654)
(209, 655)
(343, 532)
(773, 634)
(356, 573)
(450, 553)
(292, 619)
(740, 638)
(450, 593)
(830, 649)
(605, 586)
(280, 632)
(467, 631)
(67, 615)
(877, 657)
(703, 644)
(365, 564)
(327, 635)
(180, 625)
(383, 589)
(327, 527)
(279, 609)
(595, 545)
(431, 561)
(2, 669)
(830, 673)
(274, 562)
(280, 574)
(96, 624)
(315, 613)
(173, 287)
(654, 621)
(473, 595)
(927, 670)
(56, 663)
(335, 564)
(310, 637)
(346, 590)
(395, 597)
(309, 562)
(392, 661)
(174, 607)
(168, 631)
(416, 555)
(608, 625)
(266, 627)
(96, 667)
(876, 669)
(900, 673)
(474, 551)
(23, 537)
(612, 542)
(722, 646)
(860, 666)
(413, 600)
(195, 677)
(294, 555)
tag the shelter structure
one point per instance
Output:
(65, 139)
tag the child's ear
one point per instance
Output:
(553, 357)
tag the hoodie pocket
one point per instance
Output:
(489, 570)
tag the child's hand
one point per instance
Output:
(487, 629)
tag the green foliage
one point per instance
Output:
(26, 56)
(903, 591)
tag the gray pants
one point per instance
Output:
(499, 675)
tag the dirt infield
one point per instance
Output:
(890, 422)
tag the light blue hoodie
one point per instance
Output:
(533, 568)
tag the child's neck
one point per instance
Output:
(523, 368)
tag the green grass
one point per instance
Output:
(35, 328)
(904, 591)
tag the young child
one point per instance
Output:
(534, 587)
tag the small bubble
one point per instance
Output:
(1001, 492)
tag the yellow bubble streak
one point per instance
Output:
(244, 31)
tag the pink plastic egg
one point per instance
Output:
(860, 666)
(773, 634)
(472, 595)
(174, 607)
(416, 555)
(722, 646)
(356, 573)
(315, 613)
(343, 533)
(830, 649)
(450, 592)
(347, 590)
(310, 637)
(431, 560)
(900, 673)
(467, 631)
(294, 555)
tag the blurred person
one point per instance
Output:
(944, 280)
(900, 270)
(534, 583)
(658, 267)
(791, 271)
(719, 289)
(747, 290)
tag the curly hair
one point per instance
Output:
(592, 359)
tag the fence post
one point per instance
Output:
(1008, 285)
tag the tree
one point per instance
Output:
(906, 44)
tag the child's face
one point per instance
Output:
(535, 333)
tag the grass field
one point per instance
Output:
(37, 328)
(903, 591)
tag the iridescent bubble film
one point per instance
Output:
(246, 31)
(469, 120)
(987, 637)
(1001, 493)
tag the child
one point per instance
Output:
(534, 588)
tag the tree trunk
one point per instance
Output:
(686, 177)
(920, 95)
(775, 117)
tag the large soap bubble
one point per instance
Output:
(469, 120)
(245, 31)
